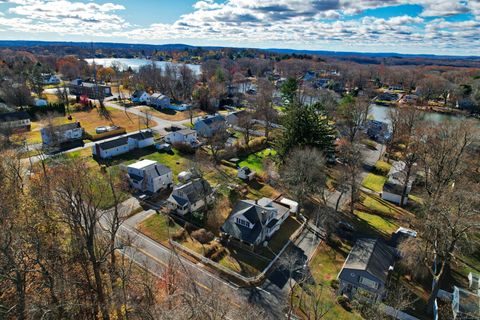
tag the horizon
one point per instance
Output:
(443, 28)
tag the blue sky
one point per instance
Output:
(406, 26)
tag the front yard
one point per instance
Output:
(171, 115)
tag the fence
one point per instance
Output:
(247, 280)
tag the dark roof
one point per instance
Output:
(372, 256)
(212, 119)
(256, 213)
(14, 116)
(114, 143)
(193, 191)
(468, 303)
(142, 135)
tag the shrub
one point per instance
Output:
(189, 227)
(334, 284)
(184, 148)
(344, 302)
(179, 235)
(203, 236)
(218, 255)
(210, 250)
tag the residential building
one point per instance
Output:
(124, 144)
(474, 281)
(190, 197)
(251, 222)
(159, 101)
(209, 125)
(79, 87)
(465, 304)
(15, 121)
(186, 136)
(149, 176)
(366, 270)
(234, 117)
(378, 130)
(56, 136)
(245, 173)
(48, 78)
(393, 187)
(140, 96)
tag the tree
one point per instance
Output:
(446, 227)
(35, 79)
(304, 173)
(264, 101)
(351, 157)
(306, 126)
(353, 114)
(216, 142)
(245, 122)
(289, 91)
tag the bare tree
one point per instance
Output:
(245, 122)
(216, 142)
(351, 157)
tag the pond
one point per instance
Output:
(135, 63)
(380, 113)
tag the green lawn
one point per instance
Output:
(255, 160)
(380, 206)
(373, 224)
(157, 227)
(374, 182)
(382, 167)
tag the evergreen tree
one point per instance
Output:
(289, 91)
(307, 125)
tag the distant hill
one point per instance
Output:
(177, 46)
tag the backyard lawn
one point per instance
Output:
(374, 225)
(255, 160)
(375, 180)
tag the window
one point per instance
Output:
(369, 283)
(243, 223)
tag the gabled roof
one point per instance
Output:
(186, 131)
(115, 143)
(14, 116)
(67, 126)
(212, 119)
(397, 177)
(372, 256)
(142, 135)
(468, 303)
(257, 213)
(193, 191)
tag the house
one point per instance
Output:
(246, 174)
(309, 76)
(190, 197)
(251, 222)
(78, 87)
(48, 78)
(409, 99)
(56, 136)
(378, 130)
(393, 187)
(365, 271)
(159, 101)
(233, 118)
(149, 176)
(186, 136)
(15, 121)
(465, 304)
(124, 144)
(140, 96)
(207, 126)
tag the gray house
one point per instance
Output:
(365, 272)
(190, 197)
(253, 222)
(207, 126)
(393, 187)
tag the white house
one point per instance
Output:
(121, 145)
(393, 187)
(159, 100)
(140, 96)
(50, 79)
(149, 176)
(56, 135)
(190, 197)
(187, 136)
(252, 222)
(15, 121)
(245, 173)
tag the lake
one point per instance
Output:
(135, 64)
